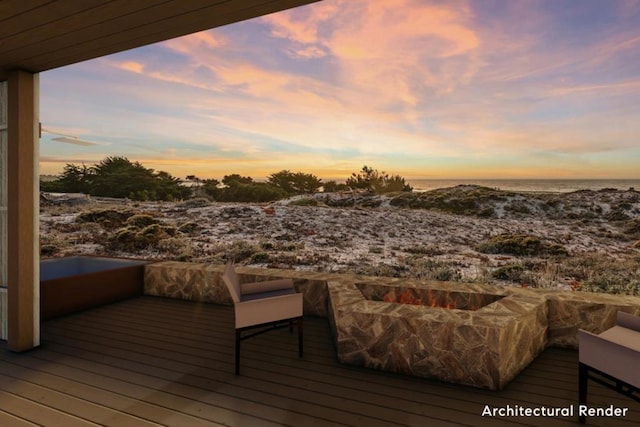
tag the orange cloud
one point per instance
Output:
(132, 66)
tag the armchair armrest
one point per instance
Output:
(612, 358)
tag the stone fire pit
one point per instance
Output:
(463, 336)
(490, 335)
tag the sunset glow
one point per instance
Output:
(425, 89)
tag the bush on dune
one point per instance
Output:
(118, 177)
(295, 183)
(108, 218)
(378, 182)
(521, 245)
(472, 200)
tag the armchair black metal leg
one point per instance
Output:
(238, 339)
(583, 378)
(300, 335)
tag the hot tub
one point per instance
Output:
(72, 284)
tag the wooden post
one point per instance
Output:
(4, 107)
(23, 280)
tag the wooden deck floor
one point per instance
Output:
(151, 361)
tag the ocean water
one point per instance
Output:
(535, 185)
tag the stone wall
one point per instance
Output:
(570, 311)
(567, 311)
(203, 283)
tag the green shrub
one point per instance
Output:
(601, 273)
(333, 186)
(189, 227)
(240, 250)
(462, 200)
(127, 239)
(259, 258)
(306, 201)
(141, 220)
(49, 249)
(423, 250)
(512, 272)
(632, 228)
(430, 269)
(119, 177)
(379, 270)
(267, 246)
(378, 182)
(199, 202)
(250, 192)
(132, 238)
(295, 183)
(108, 218)
(521, 245)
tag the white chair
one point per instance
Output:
(611, 358)
(270, 305)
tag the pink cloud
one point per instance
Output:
(389, 67)
(301, 25)
(197, 41)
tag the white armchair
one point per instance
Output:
(269, 305)
(611, 358)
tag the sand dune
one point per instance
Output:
(586, 240)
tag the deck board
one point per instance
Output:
(154, 361)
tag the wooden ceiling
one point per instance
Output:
(38, 35)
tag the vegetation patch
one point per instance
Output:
(51, 245)
(471, 200)
(430, 250)
(259, 258)
(512, 272)
(198, 202)
(189, 227)
(108, 218)
(141, 220)
(432, 269)
(600, 273)
(632, 228)
(379, 270)
(305, 201)
(240, 250)
(372, 180)
(134, 238)
(369, 200)
(118, 177)
(521, 245)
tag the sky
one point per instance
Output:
(425, 89)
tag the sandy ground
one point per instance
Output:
(373, 234)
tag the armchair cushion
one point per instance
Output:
(245, 291)
(267, 310)
(265, 286)
(259, 295)
(624, 337)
